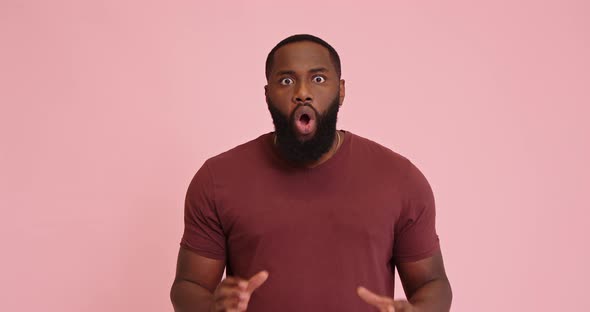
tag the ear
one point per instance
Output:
(266, 93)
(342, 92)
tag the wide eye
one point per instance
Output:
(319, 79)
(286, 81)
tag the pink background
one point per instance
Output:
(108, 108)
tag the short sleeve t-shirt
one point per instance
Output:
(320, 232)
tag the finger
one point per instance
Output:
(372, 298)
(232, 305)
(402, 305)
(227, 304)
(256, 281)
(387, 308)
(230, 310)
(242, 305)
(234, 281)
(232, 291)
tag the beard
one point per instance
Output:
(304, 152)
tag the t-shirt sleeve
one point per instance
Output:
(415, 233)
(203, 231)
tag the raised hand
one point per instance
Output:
(384, 304)
(233, 293)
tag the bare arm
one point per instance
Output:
(195, 281)
(425, 284)
(198, 286)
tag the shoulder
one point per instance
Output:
(376, 154)
(384, 163)
(251, 153)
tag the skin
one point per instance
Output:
(302, 72)
(198, 285)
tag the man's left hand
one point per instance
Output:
(384, 304)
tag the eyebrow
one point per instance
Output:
(292, 72)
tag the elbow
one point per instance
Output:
(174, 295)
(448, 293)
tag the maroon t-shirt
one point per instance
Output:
(319, 232)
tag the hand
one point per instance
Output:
(233, 293)
(384, 304)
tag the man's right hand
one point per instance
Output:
(233, 293)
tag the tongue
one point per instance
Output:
(305, 121)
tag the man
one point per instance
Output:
(308, 218)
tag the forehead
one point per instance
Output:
(301, 56)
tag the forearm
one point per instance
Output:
(190, 297)
(434, 296)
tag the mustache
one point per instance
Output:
(298, 106)
(302, 152)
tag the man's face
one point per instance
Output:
(303, 95)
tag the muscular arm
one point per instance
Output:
(195, 281)
(425, 284)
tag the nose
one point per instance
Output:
(302, 94)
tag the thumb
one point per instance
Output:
(257, 280)
(384, 304)
(372, 298)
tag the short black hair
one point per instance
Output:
(303, 37)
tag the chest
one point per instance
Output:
(303, 213)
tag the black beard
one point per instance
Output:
(304, 152)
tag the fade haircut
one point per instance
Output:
(298, 38)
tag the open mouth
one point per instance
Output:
(305, 119)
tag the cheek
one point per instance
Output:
(325, 98)
(280, 95)
(279, 101)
